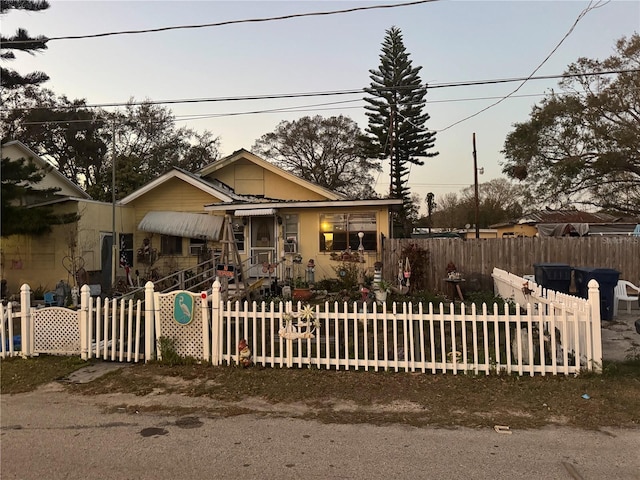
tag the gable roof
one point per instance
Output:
(247, 155)
(59, 180)
(215, 189)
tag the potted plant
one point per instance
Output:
(301, 290)
(381, 289)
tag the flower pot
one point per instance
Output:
(381, 295)
(302, 294)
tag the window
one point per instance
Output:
(170, 245)
(126, 249)
(290, 233)
(197, 246)
(340, 230)
(238, 232)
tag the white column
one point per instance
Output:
(85, 305)
(26, 328)
(149, 322)
(596, 334)
(215, 322)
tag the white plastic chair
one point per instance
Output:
(621, 293)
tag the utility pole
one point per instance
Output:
(114, 242)
(475, 181)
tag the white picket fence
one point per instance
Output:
(547, 336)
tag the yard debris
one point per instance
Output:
(503, 429)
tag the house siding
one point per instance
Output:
(38, 260)
(177, 196)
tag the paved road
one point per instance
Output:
(52, 435)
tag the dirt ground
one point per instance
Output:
(591, 401)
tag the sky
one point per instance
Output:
(453, 41)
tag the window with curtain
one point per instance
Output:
(339, 231)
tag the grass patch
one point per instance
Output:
(19, 375)
(353, 397)
(385, 397)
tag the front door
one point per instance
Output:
(263, 236)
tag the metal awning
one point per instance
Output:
(255, 212)
(182, 224)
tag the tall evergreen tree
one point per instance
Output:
(20, 213)
(396, 120)
(21, 41)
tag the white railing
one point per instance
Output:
(107, 329)
(585, 311)
(10, 333)
(536, 340)
(551, 335)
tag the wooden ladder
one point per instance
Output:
(232, 267)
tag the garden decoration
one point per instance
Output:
(311, 268)
(407, 271)
(244, 354)
(268, 267)
(305, 326)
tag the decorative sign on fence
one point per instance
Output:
(304, 328)
(183, 308)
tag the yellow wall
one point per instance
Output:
(40, 260)
(309, 238)
(247, 178)
(174, 195)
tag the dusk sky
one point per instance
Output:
(452, 41)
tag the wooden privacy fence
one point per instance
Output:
(476, 258)
(541, 338)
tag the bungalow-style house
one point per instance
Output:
(82, 247)
(280, 223)
(563, 223)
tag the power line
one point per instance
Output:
(228, 22)
(328, 93)
(580, 17)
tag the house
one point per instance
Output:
(81, 247)
(559, 223)
(280, 223)
(180, 218)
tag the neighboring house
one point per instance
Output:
(482, 233)
(560, 223)
(85, 245)
(276, 218)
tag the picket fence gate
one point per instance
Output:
(549, 334)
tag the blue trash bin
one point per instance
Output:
(553, 276)
(607, 279)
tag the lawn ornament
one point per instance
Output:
(245, 359)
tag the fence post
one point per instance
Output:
(206, 335)
(26, 329)
(595, 325)
(149, 322)
(215, 322)
(85, 305)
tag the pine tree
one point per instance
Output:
(23, 42)
(396, 119)
(20, 213)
